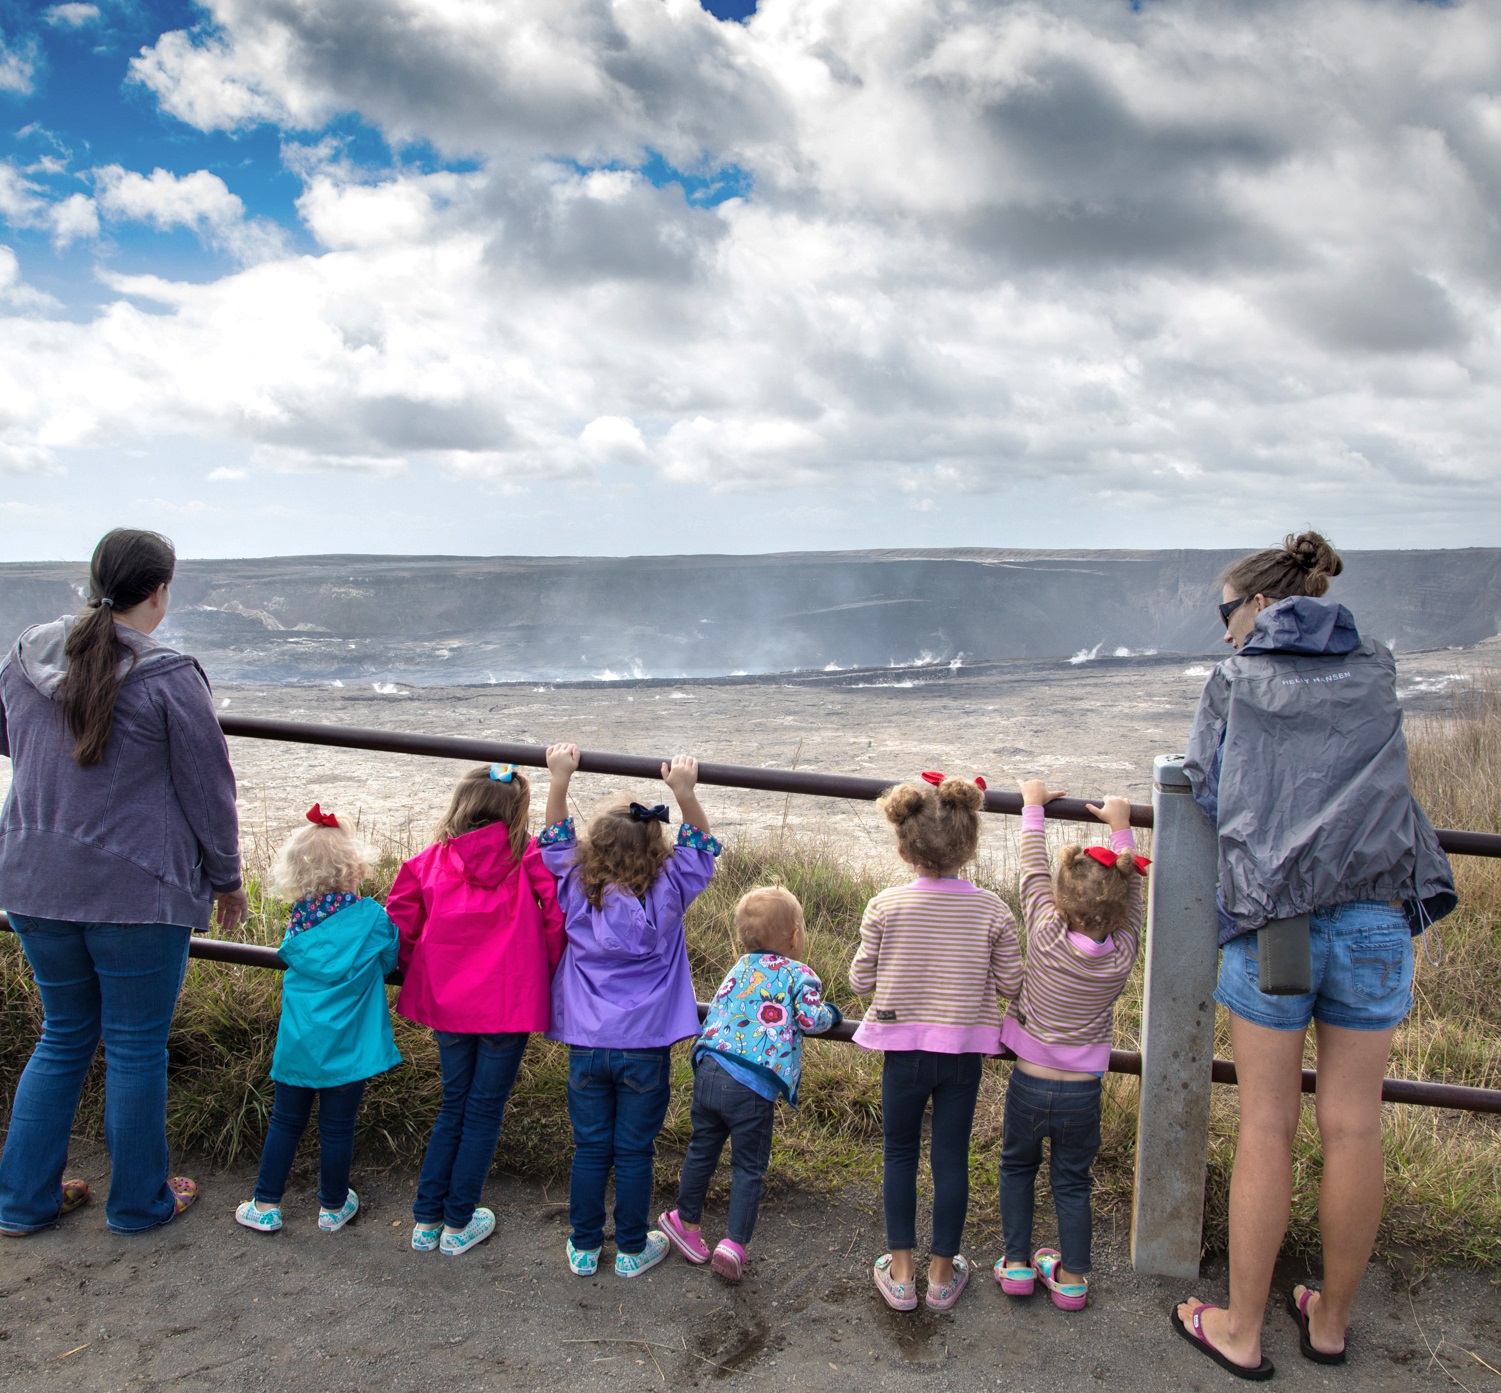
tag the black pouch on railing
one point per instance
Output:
(1283, 958)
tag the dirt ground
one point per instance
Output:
(205, 1305)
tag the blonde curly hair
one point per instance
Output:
(1095, 899)
(937, 828)
(318, 860)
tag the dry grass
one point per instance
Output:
(1443, 1167)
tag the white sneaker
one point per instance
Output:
(475, 1232)
(332, 1220)
(634, 1264)
(262, 1220)
(425, 1237)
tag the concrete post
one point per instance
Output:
(1177, 1031)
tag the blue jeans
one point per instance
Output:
(1065, 1113)
(617, 1101)
(292, 1107)
(725, 1109)
(909, 1079)
(121, 982)
(1362, 972)
(479, 1072)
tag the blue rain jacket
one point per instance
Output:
(335, 1022)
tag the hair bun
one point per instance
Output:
(960, 793)
(902, 802)
(1315, 558)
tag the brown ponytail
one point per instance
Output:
(1302, 565)
(128, 567)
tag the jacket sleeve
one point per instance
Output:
(1202, 763)
(868, 955)
(545, 887)
(202, 777)
(406, 907)
(1128, 939)
(390, 950)
(809, 1009)
(1039, 909)
(1006, 956)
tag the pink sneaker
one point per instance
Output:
(689, 1242)
(729, 1260)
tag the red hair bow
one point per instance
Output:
(1108, 858)
(932, 776)
(319, 818)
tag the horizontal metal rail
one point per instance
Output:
(722, 775)
(1416, 1092)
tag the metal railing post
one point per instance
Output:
(1177, 1031)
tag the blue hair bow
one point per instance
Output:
(641, 813)
(502, 773)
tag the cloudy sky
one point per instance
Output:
(546, 276)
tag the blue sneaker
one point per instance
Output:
(634, 1264)
(475, 1232)
(582, 1262)
(261, 1220)
(425, 1237)
(332, 1220)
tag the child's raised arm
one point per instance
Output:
(681, 776)
(562, 764)
(1036, 886)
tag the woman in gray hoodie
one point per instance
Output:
(118, 835)
(1297, 753)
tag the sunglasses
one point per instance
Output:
(1229, 608)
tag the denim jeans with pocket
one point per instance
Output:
(291, 1110)
(724, 1109)
(1066, 1114)
(115, 981)
(909, 1080)
(617, 1102)
(479, 1072)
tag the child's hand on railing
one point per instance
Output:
(562, 760)
(681, 776)
(1116, 812)
(1035, 792)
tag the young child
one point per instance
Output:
(749, 1053)
(335, 1030)
(622, 995)
(1082, 932)
(937, 955)
(481, 933)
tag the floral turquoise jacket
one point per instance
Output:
(760, 1014)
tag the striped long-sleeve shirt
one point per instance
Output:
(938, 955)
(1064, 1017)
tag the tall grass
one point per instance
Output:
(1443, 1167)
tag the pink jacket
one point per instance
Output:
(480, 935)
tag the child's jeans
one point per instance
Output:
(617, 1100)
(724, 1108)
(293, 1106)
(1067, 1113)
(479, 1072)
(909, 1079)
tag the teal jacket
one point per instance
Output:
(335, 1023)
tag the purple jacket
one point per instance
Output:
(147, 836)
(624, 980)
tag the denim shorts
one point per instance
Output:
(1362, 972)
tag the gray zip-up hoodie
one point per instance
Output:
(145, 837)
(1298, 755)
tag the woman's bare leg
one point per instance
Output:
(1268, 1064)
(1352, 1064)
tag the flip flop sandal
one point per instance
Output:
(184, 1192)
(900, 1296)
(1016, 1278)
(1067, 1296)
(1297, 1308)
(75, 1195)
(1194, 1334)
(945, 1297)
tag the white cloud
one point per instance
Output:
(225, 474)
(17, 64)
(613, 440)
(72, 14)
(199, 200)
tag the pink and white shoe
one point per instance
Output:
(1016, 1278)
(1067, 1296)
(729, 1260)
(689, 1242)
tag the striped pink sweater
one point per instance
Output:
(938, 955)
(1064, 1017)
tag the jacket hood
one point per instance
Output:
(483, 856)
(339, 947)
(1303, 625)
(41, 653)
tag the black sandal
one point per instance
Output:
(1195, 1336)
(1297, 1308)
